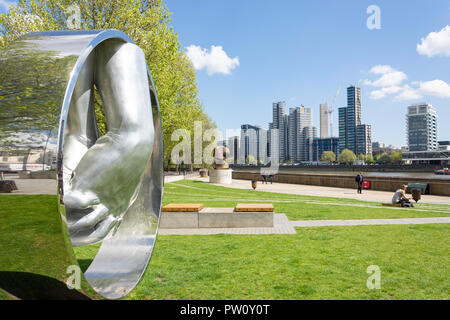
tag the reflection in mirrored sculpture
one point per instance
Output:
(109, 186)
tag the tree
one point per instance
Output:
(250, 160)
(385, 158)
(347, 156)
(369, 159)
(148, 24)
(362, 157)
(396, 157)
(328, 156)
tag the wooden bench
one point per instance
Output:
(183, 207)
(254, 207)
(194, 216)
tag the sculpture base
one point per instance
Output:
(221, 176)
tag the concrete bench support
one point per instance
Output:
(216, 218)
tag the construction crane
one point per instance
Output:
(331, 109)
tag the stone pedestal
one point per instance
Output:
(220, 176)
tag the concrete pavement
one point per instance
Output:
(282, 225)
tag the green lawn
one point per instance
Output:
(295, 207)
(31, 243)
(316, 263)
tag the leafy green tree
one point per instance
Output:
(347, 156)
(328, 156)
(396, 157)
(385, 158)
(250, 159)
(362, 157)
(148, 24)
(370, 159)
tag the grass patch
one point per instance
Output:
(317, 263)
(296, 207)
(34, 257)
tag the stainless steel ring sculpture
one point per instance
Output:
(109, 187)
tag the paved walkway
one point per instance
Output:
(282, 225)
(48, 186)
(306, 190)
(367, 222)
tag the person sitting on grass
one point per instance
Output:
(400, 197)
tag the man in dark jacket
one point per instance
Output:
(359, 180)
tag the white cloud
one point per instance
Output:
(381, 69)
(409, 93)
(436, 88)
(215, 61)
(390, 83)
(436, 43)
(389, 76)
(383, 92)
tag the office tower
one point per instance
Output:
(364, 139)
(233, 145)
(293, 134)
(343, 132)
(249, 143)
(273, 140)
(253, 143)
(350, 118)
(262, 146)
(324, 121)
(279, 122)
(308, 134)
(421, 122)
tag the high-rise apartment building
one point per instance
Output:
(421, 122)
(353, 115)
(253, 143)
(350, 125)
(299, 119)
(364, 139)
(343, 132)
(234, 145)
(280, 123)
(324, 121)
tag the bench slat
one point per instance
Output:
(183, 207)
(254, 207)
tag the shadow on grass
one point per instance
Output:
(29, 286)
(84, 264)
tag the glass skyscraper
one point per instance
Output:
(350, 119)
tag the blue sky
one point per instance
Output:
(302, 51)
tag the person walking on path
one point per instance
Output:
(359, 180)
(264, 178)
